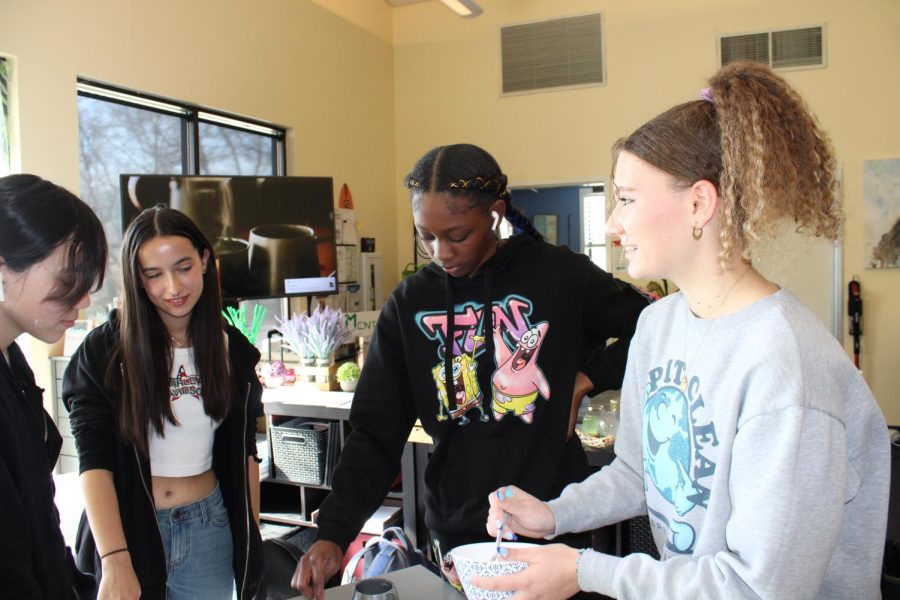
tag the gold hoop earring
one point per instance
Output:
(697, 232)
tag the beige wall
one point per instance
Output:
(362, 110)
(326, 76)
(658, 53)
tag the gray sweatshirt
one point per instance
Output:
(768, 477)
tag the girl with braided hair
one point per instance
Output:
(747, 436)
(492, 347)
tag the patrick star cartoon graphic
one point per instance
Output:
(518, 380)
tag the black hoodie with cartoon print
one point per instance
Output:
(506, 418)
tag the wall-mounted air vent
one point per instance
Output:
(552, 54)
(780, 49)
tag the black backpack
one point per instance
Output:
(281, 560)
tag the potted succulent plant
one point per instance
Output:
(347, 375)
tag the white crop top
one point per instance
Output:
(186, 448)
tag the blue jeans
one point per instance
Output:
(197, 541)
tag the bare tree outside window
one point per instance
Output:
(227, 151)
(114, 139)
(120, 132)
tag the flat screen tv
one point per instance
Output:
(273, 236)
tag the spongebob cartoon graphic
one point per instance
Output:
(466, 391)
(518, 380)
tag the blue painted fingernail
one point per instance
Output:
(499, 524)
(502, 551)
(514, 537)
(499, 494)
(509, 492)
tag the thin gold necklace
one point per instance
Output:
(712, 321)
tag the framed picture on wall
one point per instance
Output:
(882, 193)
(547, 226)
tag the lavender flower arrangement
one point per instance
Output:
(294, 332)
(326, 331)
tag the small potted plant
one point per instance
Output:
(325, 333)
(293, 332)
(273, 376)
(318, 335)
(347, 375)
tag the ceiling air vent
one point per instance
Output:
(552, 54)
(781, 49)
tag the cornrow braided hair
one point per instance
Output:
(448, 169)
(519, 219)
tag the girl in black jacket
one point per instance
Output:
(52, 252)
(492, 346)
(163, 401)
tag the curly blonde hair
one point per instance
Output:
(756, 140)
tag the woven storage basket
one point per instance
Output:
(300, 451)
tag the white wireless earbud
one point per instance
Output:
(496, 216)
(2, 291)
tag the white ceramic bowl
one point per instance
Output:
(474, 560)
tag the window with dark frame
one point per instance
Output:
(126, 131)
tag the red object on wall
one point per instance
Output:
(345, 199)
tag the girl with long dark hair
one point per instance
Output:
(163, 402)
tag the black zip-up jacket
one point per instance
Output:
(506, 419)
(93, 412)
(34, 559)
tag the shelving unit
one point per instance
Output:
(294, 503)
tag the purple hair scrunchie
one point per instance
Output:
(706, 94)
